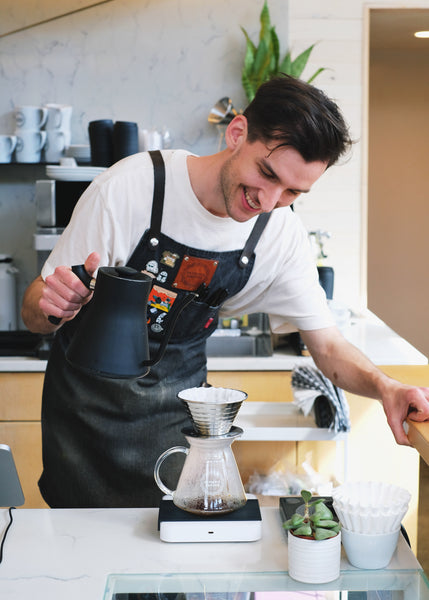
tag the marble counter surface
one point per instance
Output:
(366, 331)
(68, 554)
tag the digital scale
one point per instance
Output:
(241, 525)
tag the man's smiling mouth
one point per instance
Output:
(249, 200)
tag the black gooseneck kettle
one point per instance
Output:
(112, 338)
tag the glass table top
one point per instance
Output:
(383, 584)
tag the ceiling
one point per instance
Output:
(393, 29)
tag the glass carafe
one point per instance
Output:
(210, 482)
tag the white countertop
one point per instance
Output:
(373, 337)
(66, 554)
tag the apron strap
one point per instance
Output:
(253, 239)
(158, 206)
(158, 197)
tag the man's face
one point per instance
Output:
(255, 179)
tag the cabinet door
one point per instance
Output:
(25, 441)
(260, 386)
(21, 396)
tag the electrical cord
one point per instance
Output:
(5, 533)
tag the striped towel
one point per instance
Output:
(313, 391)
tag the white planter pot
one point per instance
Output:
(314, 561)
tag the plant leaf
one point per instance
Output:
(321, 511)
(275, 46)
(303, 530)
(324, 534)
(297, 519)
(249, 89)
(264, 18)
(262, 64)
(249, 57)
(286, 65)
(298, 65)
(328, 524)
(315, 74)
(306, 495)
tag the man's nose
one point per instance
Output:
(270, 197)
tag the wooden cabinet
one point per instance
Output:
(20, 408)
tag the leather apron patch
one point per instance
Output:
(193, 272)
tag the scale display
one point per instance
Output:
(351, 585)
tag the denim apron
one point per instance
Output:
(101, 437)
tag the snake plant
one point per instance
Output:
(262, 62)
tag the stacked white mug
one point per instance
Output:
(7, 146)
(30, 139)
(58, 130)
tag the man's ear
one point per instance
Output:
(236, 132)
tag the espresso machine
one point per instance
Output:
(209, 503)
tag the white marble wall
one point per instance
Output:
(157, 62)
(165, 62)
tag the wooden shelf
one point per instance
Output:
(280, 421)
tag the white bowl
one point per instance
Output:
(369, 551)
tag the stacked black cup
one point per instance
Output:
(110, 141)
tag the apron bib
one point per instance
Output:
(102, 437)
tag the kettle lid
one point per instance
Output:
(125, 273)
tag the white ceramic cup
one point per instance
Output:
(59, 116)
(30, 117)
(149, 140)
(369, 551)
(29, 145)
(55, 145)
(7, 146)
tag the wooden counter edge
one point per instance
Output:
(418, 434)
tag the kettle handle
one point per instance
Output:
(86, 279)
(82, 273)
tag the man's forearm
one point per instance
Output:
(347, 367)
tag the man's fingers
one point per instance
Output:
(92, 263)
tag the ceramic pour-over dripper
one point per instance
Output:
(211, 409)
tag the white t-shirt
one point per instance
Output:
(114, 211)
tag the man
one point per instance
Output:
(208, 231)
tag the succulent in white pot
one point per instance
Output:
(314, 542)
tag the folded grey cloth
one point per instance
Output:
(313, 391)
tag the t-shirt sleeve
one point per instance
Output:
(284, 282)
(89, 230)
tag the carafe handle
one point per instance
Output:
(159, 462)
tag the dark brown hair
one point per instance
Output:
(290, 112)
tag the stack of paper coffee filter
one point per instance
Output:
(370, 506)
(370, 514)
(212, 409)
